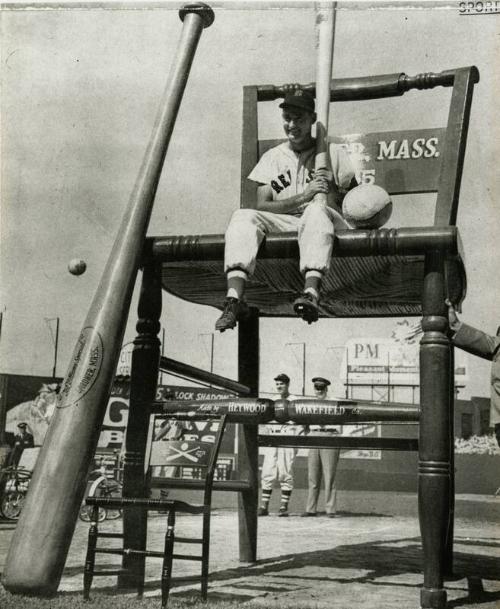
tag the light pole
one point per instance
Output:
(344, 349)
(303, 364)
(56, 341)
(211, 334)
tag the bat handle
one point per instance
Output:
(200, 8)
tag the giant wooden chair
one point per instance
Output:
(374, 273)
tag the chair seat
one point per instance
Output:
(355, 286)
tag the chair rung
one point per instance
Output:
(187, 540)
(111, 572)
(110, 535)
(149, 553)
(232, 485)
(110, 551)
(218, 485)
(186, 557)
(185, 578)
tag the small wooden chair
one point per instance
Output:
(179, 454)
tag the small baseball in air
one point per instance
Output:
(367, 206)
(77, 266)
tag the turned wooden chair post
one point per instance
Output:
(248, 448)
(434, 472)
(143, 385)
(448, 561)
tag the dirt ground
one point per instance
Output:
(355, 561)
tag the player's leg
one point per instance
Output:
(268, 476)
(316, 232)
(313, 481)
(329, 460)
(286, 458)
(245, 232)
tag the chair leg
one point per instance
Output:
(166, 574)
(435, 442)
(88, 572)
(205, 556)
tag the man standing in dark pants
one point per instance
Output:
(483, 345)
(322, 461)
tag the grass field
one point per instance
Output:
(107, 601)
(104, 601)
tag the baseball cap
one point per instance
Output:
(319, 381)
(299, 99)
(282, 377)
(22, 425)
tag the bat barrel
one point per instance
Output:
(324, 412)
(43, 535)
(238, 410)
(170, 365)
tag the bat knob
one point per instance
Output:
(201, 9)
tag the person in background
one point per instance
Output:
(23, 439)
(483, 345)
(322, 461)
(278, 461)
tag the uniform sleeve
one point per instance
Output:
(342, 167)
(476, 342)
(263, 172)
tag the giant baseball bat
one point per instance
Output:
(325, 32)
(42, 537)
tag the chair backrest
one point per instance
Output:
(190, 459)
(403, 162)
(181, 453)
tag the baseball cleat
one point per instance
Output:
(262, 512)
(234, 310)
(283, 513)
(308, 514)
(306, 306)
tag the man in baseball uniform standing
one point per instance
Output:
(287, 185)
(322, 461)
(278, 461)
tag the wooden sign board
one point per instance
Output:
(402, 162)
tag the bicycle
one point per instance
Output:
(14, 482)
(105, 484)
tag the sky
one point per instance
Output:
(80, 90)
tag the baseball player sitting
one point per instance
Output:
(287, 186)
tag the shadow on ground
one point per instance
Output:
(395, 563)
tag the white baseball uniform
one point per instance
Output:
(278, 460)
(287, 173)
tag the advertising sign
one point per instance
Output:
(31, 400)
(391, 361)
(115, 421)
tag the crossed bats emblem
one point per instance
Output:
(184, 452)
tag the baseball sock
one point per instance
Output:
(313, 282)
(236, 281)
(266, 498)
(285, 498)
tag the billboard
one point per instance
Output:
(391, 361)
(32, 400)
